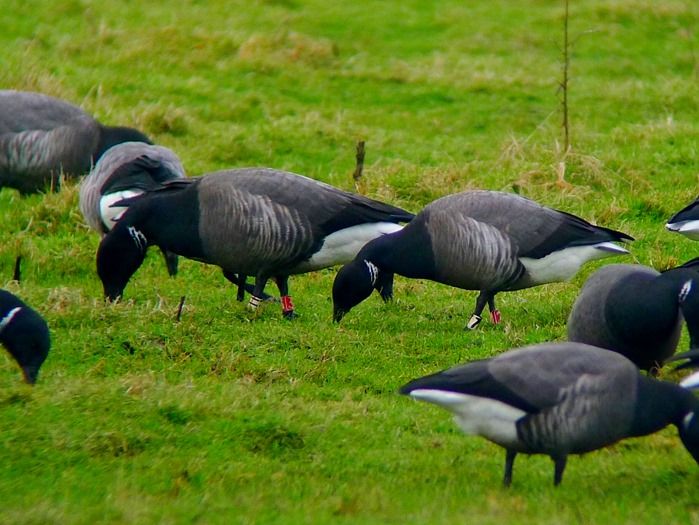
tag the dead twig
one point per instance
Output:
(179, 309)
(359, 168)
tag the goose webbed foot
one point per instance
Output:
(473, 322)
(483, 298)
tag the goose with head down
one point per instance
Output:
(558, 399)
(637, 311)
(253, 221)
(42, 137)
(123, 172)
(24, 333)
(477, 240)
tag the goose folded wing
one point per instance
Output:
(535, 229)
(144, 173)
(475, 379)
(329, 208)
(24, 111)
(688, 213)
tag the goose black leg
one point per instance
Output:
(509, 463)
(241, 282)
(170, 262)
(483, 298)
(384, 285)
(559, 467)
(287, 305)
(494, 312)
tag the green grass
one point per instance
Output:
(228, 416)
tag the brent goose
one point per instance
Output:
(124, 171)
(24, 333)
(558, 399)
(637, 311)
(477, 240)
(253, 221)
(42, 137)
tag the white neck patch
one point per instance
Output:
(684, 292)
(8, 318)
(373, 271)
(138, 238)
(687, 420)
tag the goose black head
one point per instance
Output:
(119, 255)
(111, 136)
(26, 336)
(353, 283)
(689, 432)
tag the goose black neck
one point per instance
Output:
(660, 403)
(169, 219)
(407, 252)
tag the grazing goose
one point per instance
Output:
(253, 221)
(686, 221)
(477, 240)
(124, 171)
(42, 137)
(558, 399)
(25, 335)
(637, 311)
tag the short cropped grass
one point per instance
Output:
(233, 417)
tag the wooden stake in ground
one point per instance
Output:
(17, 275)
(179, 309)
(360, 164)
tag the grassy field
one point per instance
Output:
(230, 417)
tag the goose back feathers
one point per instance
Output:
(637, 311)
(261, 222)
(558, 399)
(481, 240)
(42, 137)
(124, 171)
(24, 333)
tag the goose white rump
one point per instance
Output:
(343, 245)
(563, 264)
(689, 229)
(475, 415)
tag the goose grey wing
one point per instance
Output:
(540, 373)
(39, 153)
(535, 229)
(688, 213)
(330, 208)
(593, 410)
(473, 379)
(469, 253)
(23, 110)
(245, 232)
(136, 165)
